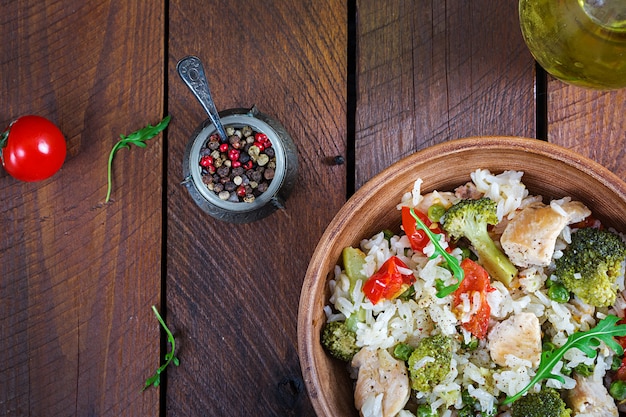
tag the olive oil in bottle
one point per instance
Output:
(581, 42)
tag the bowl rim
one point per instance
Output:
(311, 286)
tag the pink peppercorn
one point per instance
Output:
(233, 154)
(242, 172)
(261, 138)
(206, 161)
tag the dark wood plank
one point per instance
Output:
(78, 277)
(233, 290)
(590, 122)
(434, 71)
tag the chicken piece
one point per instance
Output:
(591, 398)
(381, 373)
(519, 335)
(530, 237)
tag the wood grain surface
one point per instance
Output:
(590, 122)
(77, 276)
(233, 290)
(432, 71)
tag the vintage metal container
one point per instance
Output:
(280, 187)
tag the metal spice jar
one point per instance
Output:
(246, 176)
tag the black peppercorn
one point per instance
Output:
(241, 168)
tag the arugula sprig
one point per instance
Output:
(137, 138)
(586, 341)
(453, 263)
(155, 379)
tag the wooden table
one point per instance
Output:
(368, 80)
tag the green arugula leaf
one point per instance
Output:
(155, 379)
(453, 263)
(587, 342)
(137, 138)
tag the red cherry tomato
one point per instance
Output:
(417, 237)
(388, 282)
(476, 280)
(32, 148)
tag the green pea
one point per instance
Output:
(435, 212)
(402, 351)
(618, 390)
(557, 292)
(388, 234)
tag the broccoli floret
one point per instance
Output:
(339, 341)
(430, 362)
(424, 410)
(590, 265)
(470, 219)
(546, 403)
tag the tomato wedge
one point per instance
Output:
(476, 281)
(417, 237)
(388, 282)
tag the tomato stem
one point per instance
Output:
(4, 136)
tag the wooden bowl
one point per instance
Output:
(549, 170)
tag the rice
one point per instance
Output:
(373, 406)
(506, 189)
(407, 321)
